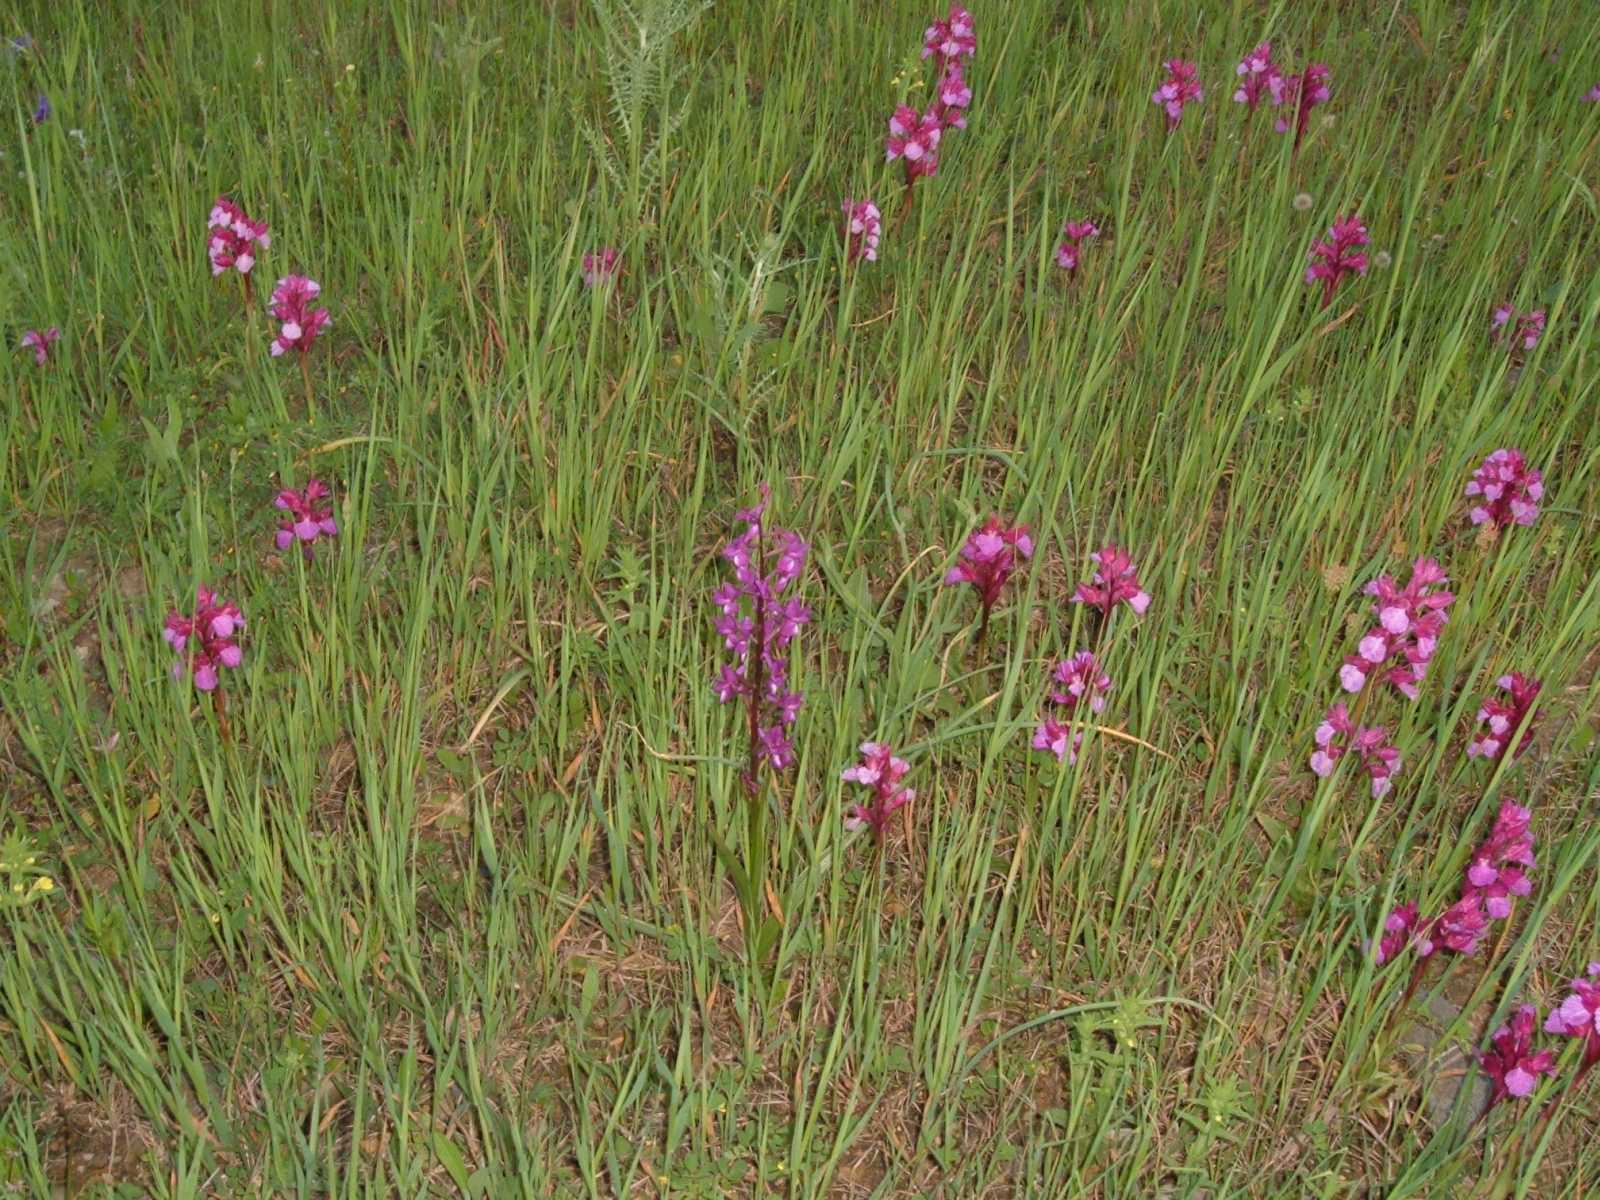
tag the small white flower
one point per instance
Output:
(1302, 202)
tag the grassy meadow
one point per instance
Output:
(432, 904)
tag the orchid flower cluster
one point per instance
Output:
(991, 555)
(1504, 719)
(1337, 735)
(1514, 1066)
(1497, 872)
(1505, 491)
(308, 517)
(1073, 235)
(40, 342)
(914, 137)
(294, 304)
(1579, 1016)
(600, 267)
(1337, 255)
(756, 623)
(1080, 682)
(1116, 581)
(881, 771)
(1178, 90)
(1522, 330)
(863, 227)
(233, 239)
(1410, 620)
(1262, 79)
(205, 639)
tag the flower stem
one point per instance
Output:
(219, 705)
(311, 398)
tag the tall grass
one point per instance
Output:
(444, 913)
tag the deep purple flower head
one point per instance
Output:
(1115, 580)
(863, 226)
(953, 38)
(914, 138)
(951, 97)
(40, 343)
(1503, 718)
(41, 110)
(1257, 77)
(600, 266)
(1579, 1015)
(881, 771)
(1521, 331)
(1181, 87)
(989, 558)
(292, 303)
(1505, 490)
(1460, 927)
(1073, 235)
(232, 238)
(1336, 736)
(1410, 620)
(1400, 929)
(1498, 868)
(1510, 1062)
(308, 517)
(204, 641)
(756, 622)
(1336, 256)
(1300, 93)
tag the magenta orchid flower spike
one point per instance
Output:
(292, 304)
(1073, 235)
(1498, 868)
(914, 139)
(1258, 77)
(1511, 1063)
(1504, 718)
(863, 227)
(1461, 927)
(1336, 736)
(205, 640)
(1179, 89)
(600, 266)
(756, 623)
(1336, 256)
(1402, 928)
(233, 239)
(40, 343)
(1301, 93)
(1521, 331)
(308, 517)
(1579, 1016)
(881, 771)
(991, 555)
(1078, 681)
(1410, 620)
(1116, 581)
(951, 39)
(1505, 490)
(952, 97)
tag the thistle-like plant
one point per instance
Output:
(643, 71)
